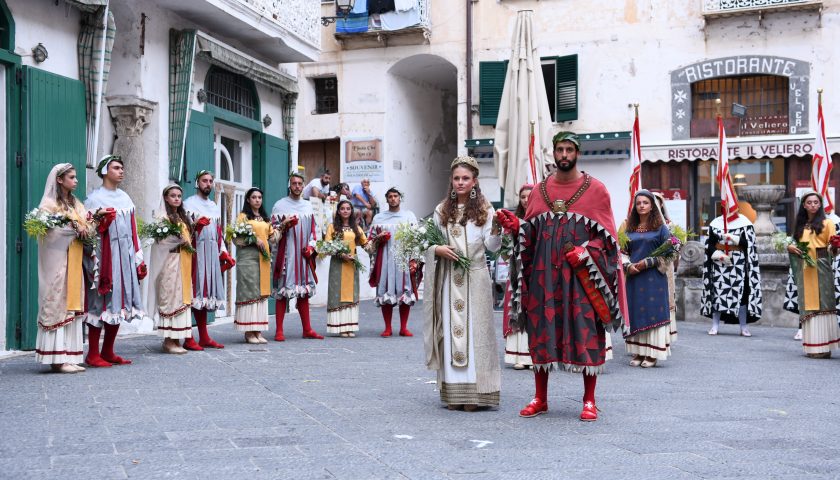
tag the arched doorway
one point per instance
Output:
(422, 128)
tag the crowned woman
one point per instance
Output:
(61, 295)
(170, 295)
(460, 335)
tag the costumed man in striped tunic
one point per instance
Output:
(61, 292)
(567, 281)
(815, 293)
(210, 262)
(395, 284)
(293, 275)
(731, 278)
(114, 273)
(170, 292)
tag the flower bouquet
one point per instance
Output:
(414, 240)
(244, 232)
(782, 241)
(669, 250)
(331, 248)
(160, 229)
(37, 222)
(623, 240)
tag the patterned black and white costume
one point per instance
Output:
(726, 287)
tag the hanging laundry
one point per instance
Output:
(400, 20)
(356, 22)
(380, 6)
(406, 5)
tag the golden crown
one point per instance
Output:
(465, 160)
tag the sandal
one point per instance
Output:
(648, 363)
(536, 407)
(637, 360)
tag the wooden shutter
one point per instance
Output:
(491, 82)
(198, 151)
(55, 132)
(567, 89)
(271, 174)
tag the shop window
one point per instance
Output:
(765, 98)
(560, 75)
(743, 172)
(233, 92)
(326, 95)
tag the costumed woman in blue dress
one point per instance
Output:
(649, 338)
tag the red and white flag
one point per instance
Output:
(821, 163)
(635, 162)
(728, 200)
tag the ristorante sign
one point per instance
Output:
(709, 151)
(797, 71)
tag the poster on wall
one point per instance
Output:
(362, 158)
(677, 205)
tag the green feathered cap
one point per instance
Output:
(567, 137)
(102, 166)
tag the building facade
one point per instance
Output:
(173, 86)
(431, 90)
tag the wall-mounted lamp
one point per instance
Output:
(266, 120)
(39, 53)
(342, 10)
(201, 95)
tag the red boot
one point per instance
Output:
(93, 358)
(108, 346)
(279, 315)
(590, 411)
(387, 314)
(191, 344)
(203, 335)
(404, 309)
(303, 309)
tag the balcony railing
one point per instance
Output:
(304, 20)
(712, 7)
(422, 26)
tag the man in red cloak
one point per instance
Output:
(566, 276)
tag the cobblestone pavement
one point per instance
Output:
(365, 408)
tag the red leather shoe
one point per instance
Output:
(96, 362)
(190, 344)
(589, 413)
(279, 337)
(536, 407)
(312, 334)
(406, 333)
(210, 343)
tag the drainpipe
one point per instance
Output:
(469, 68)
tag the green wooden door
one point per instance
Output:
(198, 155)
(54, 131)
(271, 172)
(198, 150)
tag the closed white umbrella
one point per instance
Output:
(524, 100)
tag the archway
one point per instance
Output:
(422, 128)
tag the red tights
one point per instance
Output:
(388, 313)
(303, 308)
(541, 381)
(107, 357)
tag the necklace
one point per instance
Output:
(560, 205)
(642, 229)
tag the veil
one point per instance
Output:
(159, 253)
(50, 198)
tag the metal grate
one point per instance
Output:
(232, 92)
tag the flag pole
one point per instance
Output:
(635, 158)
(723, 207)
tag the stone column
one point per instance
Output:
(131, 115)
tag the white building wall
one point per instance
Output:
(55, 26)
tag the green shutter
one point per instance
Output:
(198, 150)
(271, 173)
(198, 155)
(567, 89)
(54, 122)
(491, 82)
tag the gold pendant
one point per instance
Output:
(559, 206)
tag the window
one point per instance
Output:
(326, 95)
(232, 92)
(560, 75)
(764, 96)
